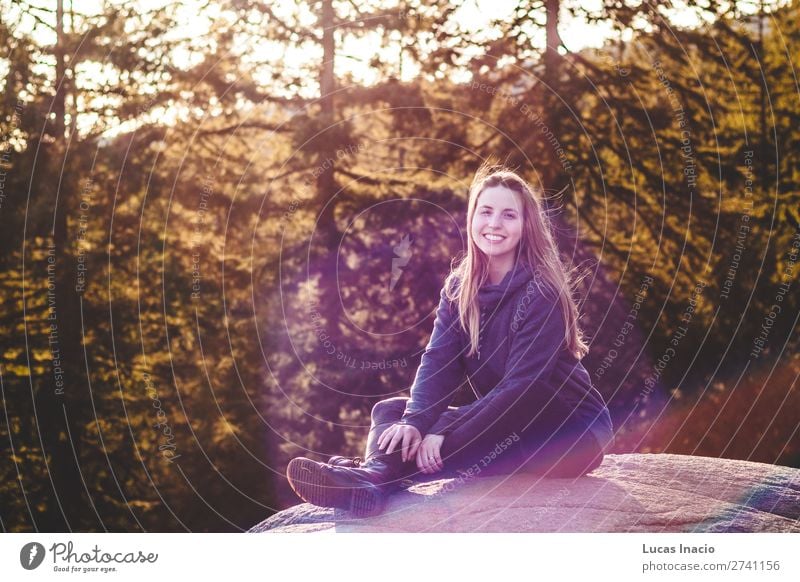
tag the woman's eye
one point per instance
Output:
(509, 215)
(485, 213)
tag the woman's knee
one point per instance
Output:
(567, 455)
(388, 410)
(594, 463)
(578, 464)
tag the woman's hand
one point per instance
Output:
(429, 457)
(405, 435)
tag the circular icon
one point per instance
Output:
(31, 555)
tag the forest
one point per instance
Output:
(225, 225)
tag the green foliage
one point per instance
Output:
(237, 236)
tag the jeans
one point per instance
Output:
(554, 444)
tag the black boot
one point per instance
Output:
(361, 490)
(341, 461)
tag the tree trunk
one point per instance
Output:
(327, 234)
(553, 39)
(326, 186)
(551, 97)
(62, 408)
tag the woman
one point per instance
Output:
(507, 323)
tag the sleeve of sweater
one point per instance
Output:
(533, 355)
(440, 373)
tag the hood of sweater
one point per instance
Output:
(490, 296)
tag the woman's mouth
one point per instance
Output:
(493, 237)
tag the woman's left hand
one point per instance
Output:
(429, 457)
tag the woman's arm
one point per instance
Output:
(449, 419)
(533, 355)
(440, 373)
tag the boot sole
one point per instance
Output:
(313, 485)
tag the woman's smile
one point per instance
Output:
(497, 224)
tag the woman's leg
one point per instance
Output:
(361, 489)
(570, 451)
(384, 414)
(543, 447)
(554, 442)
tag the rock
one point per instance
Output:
(627, 493)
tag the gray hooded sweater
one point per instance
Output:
(521, 348)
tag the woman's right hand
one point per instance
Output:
(404, 435)
(429, 456)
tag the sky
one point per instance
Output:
(473, 16)
(353, 54)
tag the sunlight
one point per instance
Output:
(360, 59)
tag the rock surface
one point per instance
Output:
(627, 493)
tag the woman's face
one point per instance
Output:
(497, 222)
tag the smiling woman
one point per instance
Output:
(497, 228)
(536, 411)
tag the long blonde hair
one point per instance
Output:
(536, 248)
